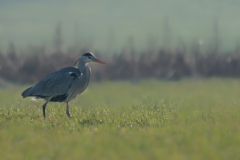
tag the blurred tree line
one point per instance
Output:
(165, 64)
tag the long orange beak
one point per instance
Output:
(98, 61)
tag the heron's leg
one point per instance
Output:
(43, 107)
(67, 110)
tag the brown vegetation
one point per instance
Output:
(165, 64)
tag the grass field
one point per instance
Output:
(149, 119)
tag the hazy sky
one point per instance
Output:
(112, 22)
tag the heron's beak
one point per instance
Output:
(98, 61)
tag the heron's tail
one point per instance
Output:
(25, 93)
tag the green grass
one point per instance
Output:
(150, 119)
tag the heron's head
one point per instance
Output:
(89, 57)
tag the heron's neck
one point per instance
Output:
(85, 71)
(83, 68)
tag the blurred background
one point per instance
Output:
(137, 39)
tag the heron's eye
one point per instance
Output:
(89, 57)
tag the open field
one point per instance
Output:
(149, 119)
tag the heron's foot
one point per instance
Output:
(67, 111)
(68, 115)
(44, 107)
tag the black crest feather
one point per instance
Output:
(88, 54)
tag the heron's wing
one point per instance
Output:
(56, 83)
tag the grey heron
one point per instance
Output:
(63, 85)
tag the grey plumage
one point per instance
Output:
(63, 85)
